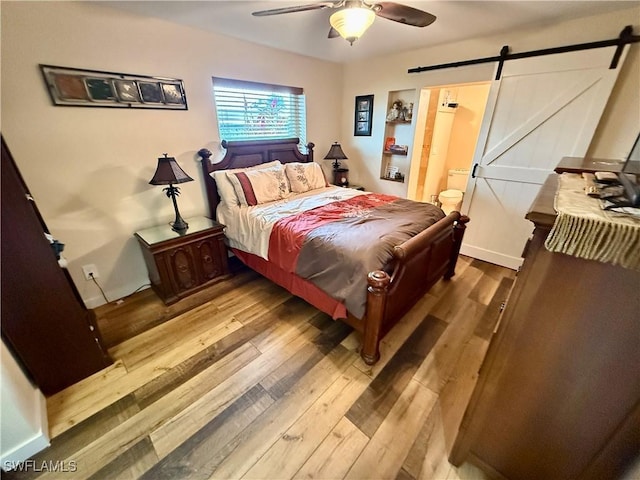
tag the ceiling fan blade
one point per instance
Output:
(404, 14)
(333, 33)
(297, 8)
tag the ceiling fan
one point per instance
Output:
(355, 16)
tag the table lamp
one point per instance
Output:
(340, 175)
(335, 154)
(169, 172)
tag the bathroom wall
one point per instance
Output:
(471, 100)
(449, 140)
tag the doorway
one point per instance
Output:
(447, 129)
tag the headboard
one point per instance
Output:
(242, 154)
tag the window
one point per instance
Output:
(258, 111)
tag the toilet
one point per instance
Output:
(451, 198)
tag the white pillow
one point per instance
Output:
(224, 186)
(254, 187)
(305, 176)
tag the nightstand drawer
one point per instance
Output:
(180, 265)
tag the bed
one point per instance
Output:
(283, 235)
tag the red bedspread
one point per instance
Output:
(288, 235)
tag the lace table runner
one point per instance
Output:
(582, 229)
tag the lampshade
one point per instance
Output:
(169, 172)
(335, 153)
(352, 22)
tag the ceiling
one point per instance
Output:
(306, 32)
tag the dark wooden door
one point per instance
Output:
(43, 321)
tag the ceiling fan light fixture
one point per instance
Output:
(352, 22)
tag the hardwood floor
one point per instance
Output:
(245, 381)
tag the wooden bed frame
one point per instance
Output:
(417, 265)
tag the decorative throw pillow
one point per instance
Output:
(225, 188)
(254, 187)
(305, 176)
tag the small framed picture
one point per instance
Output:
(150, 92)
(172, 93)
(363, 115)
(100, 89)
(70, 87)
(362, 128)
(127, 91)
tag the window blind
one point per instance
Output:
(258, 111)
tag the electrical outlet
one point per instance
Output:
(90, 270)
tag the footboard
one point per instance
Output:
(419, 263)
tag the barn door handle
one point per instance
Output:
(473, 172)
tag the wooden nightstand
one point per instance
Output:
(180, 265)
(351, 185)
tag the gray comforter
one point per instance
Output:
(346, 240)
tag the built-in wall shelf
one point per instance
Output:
(389, 152)
(398, 122)
(398, 135)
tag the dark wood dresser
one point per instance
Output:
(590, 165)
(182, 264)
(558, 394)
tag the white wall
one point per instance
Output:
(617, 130)
(23, 415)
(89, 168)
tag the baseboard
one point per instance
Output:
(112, 295)
(496, 258)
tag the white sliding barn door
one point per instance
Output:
(540, 110)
